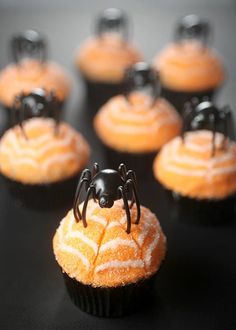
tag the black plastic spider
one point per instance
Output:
(107, 186)
(192, 27)
(28, 44)
(37, 103)
(112, 20)
(142, 76)
(204, 114)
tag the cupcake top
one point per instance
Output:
(137, 122)
(201, 164)
(188, 64)
(42, 150)
(30, 71)
(43, 156)
(96, 57)
(104, 254)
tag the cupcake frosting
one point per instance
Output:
(135, 124)
(42, 155)
(190, 169)
(105, 59)
(189, 66)
(31, 74)
(103, 254)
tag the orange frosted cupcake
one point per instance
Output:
(109, 247)
(31, 69)
(41, 158)
(135, 125)
(199, 168)
(188, 67)
(103, 58)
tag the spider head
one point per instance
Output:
(105, 201)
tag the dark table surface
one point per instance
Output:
(197, 284)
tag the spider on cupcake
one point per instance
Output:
(107, 186)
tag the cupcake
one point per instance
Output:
(40, 157)
(109, 249)
(30, 69)
(198, 169)
(135, 125)
(103, 58)
(188, 67)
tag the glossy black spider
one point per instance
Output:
(112, 20)
(37, 103)
(192, 27)
(204, 114)
(28, 44)
(142, 76)
(107, 186)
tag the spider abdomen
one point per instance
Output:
(106, 185)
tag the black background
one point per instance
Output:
(197, 284)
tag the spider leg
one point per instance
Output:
(76, 210)
(15, 110)
(187, 117)
(122, 170)
(95, 169)
(213, 128)
(126, 206)
(43, 50)
(55, 110)
(132, 184)
(22, 111)
(227, 124)
(227, 121)
(85, 179)
(131, 175)
(90, 190)
(86, 174)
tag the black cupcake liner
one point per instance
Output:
(178, 99)
(201, 211)
(43, 196)
(111, 302)
(141, 163)
(98, 93)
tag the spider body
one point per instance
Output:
(193, 27)
(28, 44)
(204, 114)
(142, 77)
(105, 187)
(35, 104)
(112, 20)
(106, 183)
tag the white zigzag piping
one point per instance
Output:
(120, 264)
